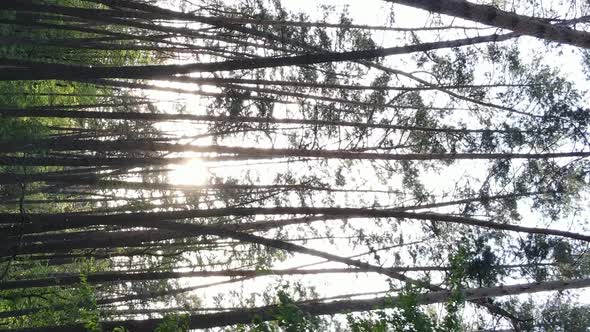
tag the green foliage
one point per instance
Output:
(288, 318)
(555, 315)
(404, 315)
(561, 184)
(36, 44)
(58, 305)
(120, 329)
(457, 68)
(401, 313)
(88, 310)
(404, 312)
(478, 259)
(291, 318)
(174, 323)
(452, 320)
(537, 249)
(380, 321)
(13, 128)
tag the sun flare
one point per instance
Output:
(193, 172)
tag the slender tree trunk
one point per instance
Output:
(247, 316)
(240, 153)
(126, 276)
(119, 277)
(96, 45)
(47, 71)
(242, 20)
(48, 222)
(492, 16)
(56, 243)
(78, 28)
(231, 80)
(54, 113)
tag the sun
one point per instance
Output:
(193, 172)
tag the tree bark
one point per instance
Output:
(54, 113)
(492, 16)
(236, 153)
(47, 71)
(119, 277)
(48, 222)
(247, 316)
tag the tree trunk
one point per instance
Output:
(54, 113)
(119, 277)
(47, 71)
(48, 222)
(247, 316)
(492, 16)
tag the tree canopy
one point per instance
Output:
(267, 165)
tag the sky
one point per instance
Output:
(364, 12)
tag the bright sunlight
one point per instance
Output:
(194, 172)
